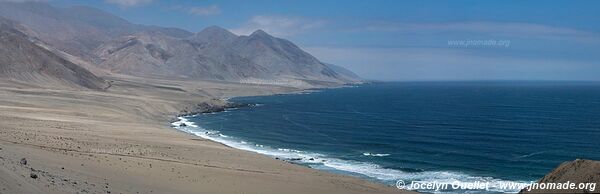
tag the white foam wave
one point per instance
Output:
(320, 161)
(377, 155)
(183, 122)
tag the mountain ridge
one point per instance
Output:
(114, 44)
(217, 54)
(76, 30)
(25, 60)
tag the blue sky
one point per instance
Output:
(406, 40)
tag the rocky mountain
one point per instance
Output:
(217, 54)
(114, 44)
(76, 30)
(25, 60)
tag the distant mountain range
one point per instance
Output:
(76, 30)
(101, 40)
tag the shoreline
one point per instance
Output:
(207, 108)
(181, 123)
(115, 140)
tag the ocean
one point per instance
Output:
(446, 132)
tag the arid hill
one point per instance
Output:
(577, 171)
(76, 30)
(24, 61)
(218, 54)
(111, 43)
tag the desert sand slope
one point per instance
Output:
(21, 60)
(577, 171)
(120, 141)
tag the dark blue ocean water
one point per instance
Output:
(497, 132)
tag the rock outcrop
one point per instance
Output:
(576, 172)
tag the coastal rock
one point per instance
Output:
(23, 161)
(577, 172)
(210, 107)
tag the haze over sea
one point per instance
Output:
(497, 132)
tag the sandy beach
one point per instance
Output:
(120, 141)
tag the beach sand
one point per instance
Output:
(120, 141)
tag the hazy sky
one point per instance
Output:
(406, 40)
